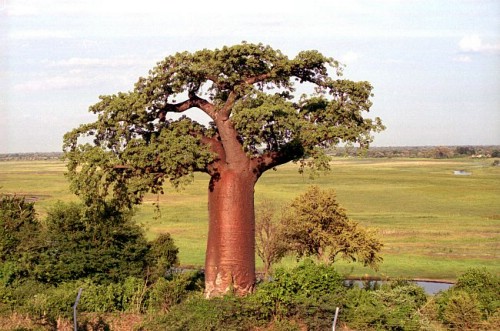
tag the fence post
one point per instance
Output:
(74, 309)
(335, 318)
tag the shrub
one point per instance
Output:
(316, 225)
(19, 230)
(16, 295)
(228, 313)
(53, 302)
(164, 294)
(462, 311)
(471, 302)
(393, 306)
(162, 256)
(362, 309)
(309, 292)
(101, 244)
(484, 285)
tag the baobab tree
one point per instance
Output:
(257, 121)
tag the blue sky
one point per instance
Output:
(434, 65)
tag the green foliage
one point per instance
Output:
(362, 309)
(78, 243)
(462, 311)
(49, 302)
(199, 314)
(248, 92)
(392, 307)
(474, 300)
(309, 290)
(19, 232)
(53, 302)
(166, 293)
(304, 297)
(162, 256)
(483, 284)
(18, 224)
(316, 225)
(16, 295)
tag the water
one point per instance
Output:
(434, 287)
(429, 287)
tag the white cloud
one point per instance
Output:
(462, 58)
(52, 83)
(474, 44)
(95, 62)
(38, 34)
(81, 72)
(349, 57)
(19, 9)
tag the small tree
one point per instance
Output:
(270, 244)
(103, 244)
(316, 225)
(162, 256)
(17, 224)
(19, 228)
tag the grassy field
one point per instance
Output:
(434, 224)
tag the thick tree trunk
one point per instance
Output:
(230, 259)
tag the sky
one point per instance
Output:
(434, 65)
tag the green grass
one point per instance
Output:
(434, 224)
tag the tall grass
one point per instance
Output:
(433, 223)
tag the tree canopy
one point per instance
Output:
(278, 109)
(265, 110)
(316, 225)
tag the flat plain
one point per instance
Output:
(434, 224)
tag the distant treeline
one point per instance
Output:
(30, 156)
(433, 152)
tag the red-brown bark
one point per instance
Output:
(230, 256)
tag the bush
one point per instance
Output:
(471, 302)
(362, 309)
(310, 292)
(16, 295)
(484, 285)
(462, 311)
(393, 306)
(162, 256)
(19, 230)
(198, 314)
(164, 294)
(104, 245)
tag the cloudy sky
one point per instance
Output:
(434, 65)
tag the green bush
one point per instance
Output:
(199, 314)
(474, 300)
(17, 294)
(17, 224)
(53, 302)
(310, 292)
(362, 309)
(19, 230)
(46, 301)
(162, 256)
(166, 293)
(393, 306)
(484, 285)
(104, 245)
(462, 311)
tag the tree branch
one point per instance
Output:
(257, 79)
(194, 101)
(269, 160)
